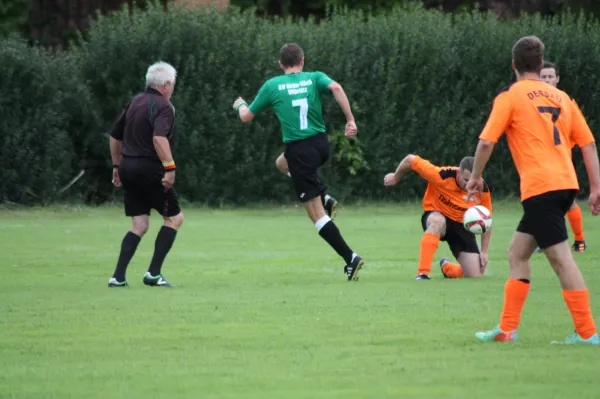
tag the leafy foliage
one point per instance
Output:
(14, 16)
(419, 82)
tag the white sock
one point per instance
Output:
(327, 196)
(322, 222)
(353, 256)
(289, 174)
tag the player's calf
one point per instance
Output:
(575, 218)
(129, 244)
(282, 164)
(330, 205)
(575, 292)
(435, 227)
(163, 244)
(331, 234)
(516, 290)
(472, 263)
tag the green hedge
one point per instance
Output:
(419, 82)
(46, 117)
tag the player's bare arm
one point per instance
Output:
(116, 146)
(163, 149)
(115, 153)
(405, 166)
(590, 158)
(241, 107)
(485, 245)
(162, 126)
(340, 96)
(482, 156)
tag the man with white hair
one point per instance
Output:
(140, 146)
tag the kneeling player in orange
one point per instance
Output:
(445, 203)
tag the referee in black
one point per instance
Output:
(140, 146)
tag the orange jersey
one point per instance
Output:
(443, 193)
(581, 117)
(542, 124)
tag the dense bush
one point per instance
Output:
(45, 116)
(419, 81)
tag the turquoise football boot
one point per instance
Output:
(576, 339)
(496, 335)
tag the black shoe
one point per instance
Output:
(112, 282)
(352, 268)
(156, 281)
(579, 246)
(422, 276)
(330, 207)
(443, 261)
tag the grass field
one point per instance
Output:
(257, 314)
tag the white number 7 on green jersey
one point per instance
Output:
(303, 104)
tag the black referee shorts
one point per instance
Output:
(544, 217)
(304, 158)
(459, 239)
(142, 183)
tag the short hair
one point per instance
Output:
(467, 163)
(548, 64)
(291, 55)
(159, 74)
(528, 54)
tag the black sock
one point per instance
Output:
(332, 235)
(162, 246)
(128, 246)
(323, 199)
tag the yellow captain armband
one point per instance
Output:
(169, 165)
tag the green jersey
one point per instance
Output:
(296, 99)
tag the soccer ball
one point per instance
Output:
(477, 219)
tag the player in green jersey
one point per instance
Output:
(296, 98)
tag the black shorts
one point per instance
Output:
(142, 183)
(458, 238)
(304, 158)
(544, 217)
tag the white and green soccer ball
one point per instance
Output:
(477, 219)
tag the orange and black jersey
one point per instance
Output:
(581, 118)
(542, 124)
(443, 193)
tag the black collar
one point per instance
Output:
(153, 91)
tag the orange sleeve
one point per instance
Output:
(426, 169)
(499, 118)
(581, 134)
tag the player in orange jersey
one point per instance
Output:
(445, 203)
(551, 75)
(541, 123)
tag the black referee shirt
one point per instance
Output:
(148, 114)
